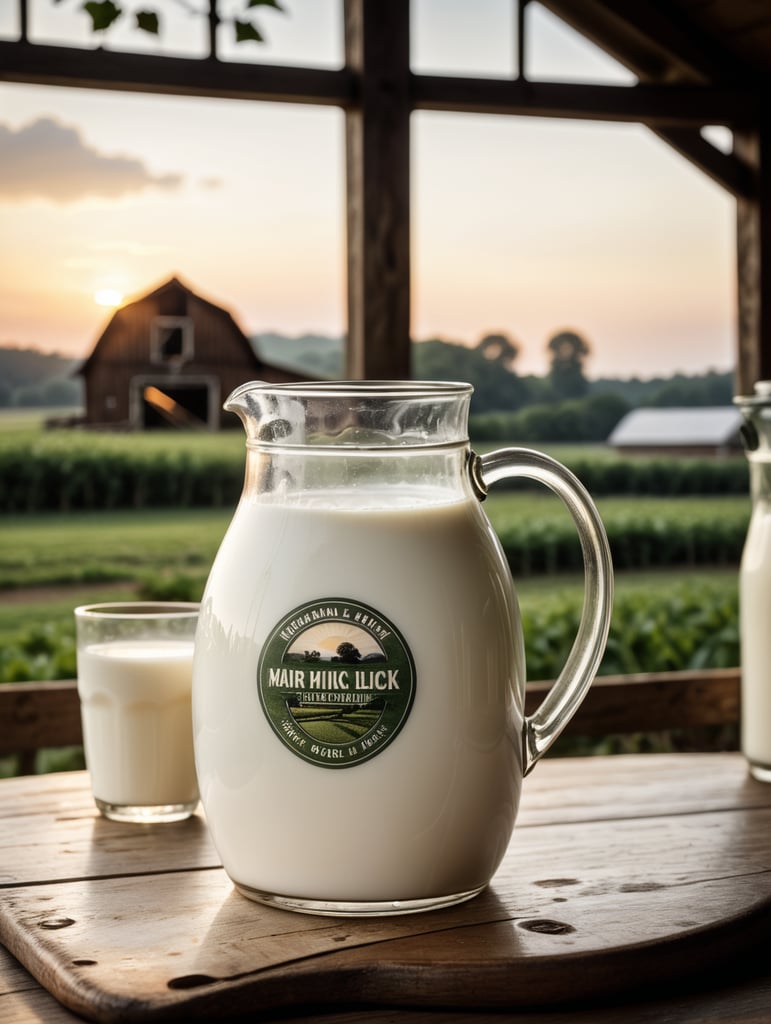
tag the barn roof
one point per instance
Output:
(678, 428)
(173, 284)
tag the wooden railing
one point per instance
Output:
(36, 716)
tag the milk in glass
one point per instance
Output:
(137, 721)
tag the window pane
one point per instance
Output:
(462, 38)
(10, 27)
(305, 32)
(555, 52)
(530, 226)
(67, 24)
(243, 202)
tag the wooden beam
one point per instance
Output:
(753, 251)
(33, 63)
(378, 190)
(651, 702)
(727, 170)
(647, 104)
(657, 41)
(38, 715)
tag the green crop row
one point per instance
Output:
(665, 476)
(637, 541)
(51, 480)
(689, 626)
(68, 469)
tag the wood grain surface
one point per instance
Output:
(625, 875)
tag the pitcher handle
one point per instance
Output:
(543, 727)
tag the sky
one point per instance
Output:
(526, 226)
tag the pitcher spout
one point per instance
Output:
(241, 402)
(268, 412)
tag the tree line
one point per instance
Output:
(563, 404)
(33, 379)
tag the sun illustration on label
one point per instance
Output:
(327, 638)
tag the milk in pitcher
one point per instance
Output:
(430, 573)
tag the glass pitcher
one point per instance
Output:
(358, 685)
(755, 586)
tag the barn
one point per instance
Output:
(713, 430)
(169, 358)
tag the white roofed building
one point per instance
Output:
(712, 430)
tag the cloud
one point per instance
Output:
(48, 160)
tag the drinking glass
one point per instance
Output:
(134, 682)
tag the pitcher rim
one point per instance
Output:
(367, 388)
(135, 610)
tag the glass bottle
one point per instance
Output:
(755, 587)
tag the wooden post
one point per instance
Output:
(378, 192)
(753, 255)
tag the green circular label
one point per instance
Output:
(336, 682)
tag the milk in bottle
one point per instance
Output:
(755, 587)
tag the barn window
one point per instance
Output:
(171, 342)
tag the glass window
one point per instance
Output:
(557, 53)
(530, 226)
(455, 37)
(102, 190)
(304, 32)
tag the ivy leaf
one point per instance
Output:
(102, 14)
(148, 22)
(264, 3)
(246, 31)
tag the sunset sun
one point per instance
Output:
(108, 297)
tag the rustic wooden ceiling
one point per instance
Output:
(743, 27)
(706, 41)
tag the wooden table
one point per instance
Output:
(636, 888)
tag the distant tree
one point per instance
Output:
(50, 393)
(601, 413)
(710, 389)
(575, 420)
(500, 349)
(494, 387)
(21, 366)
(567, 355)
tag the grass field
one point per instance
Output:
(54, 549)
